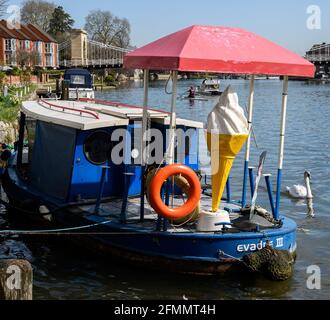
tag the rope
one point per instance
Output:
(252, 131)
(38, 232)
(166, 85)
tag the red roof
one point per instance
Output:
(26, 32)
(219, 50)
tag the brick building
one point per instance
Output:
(28, 46)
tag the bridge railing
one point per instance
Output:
(106, 46)
(91, 63)
(98, 54)
(318, 57)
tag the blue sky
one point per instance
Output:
(282, 21)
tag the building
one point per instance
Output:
(27, 46)
(319, 53)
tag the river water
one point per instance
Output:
(63, 271)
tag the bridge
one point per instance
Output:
(79, 51)
(319, 53)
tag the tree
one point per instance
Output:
(38, 12)
(60, 24)
(104, 27)
(25, 58)
(122, 36)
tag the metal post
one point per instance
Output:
(252, 182)
(101, 190)
(248, 144)
(270, 192)
(20, 146)
(228, 190)
(282, 142)
(143, 145)
(127, 177)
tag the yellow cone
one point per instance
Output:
(224, 149)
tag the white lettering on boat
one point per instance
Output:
(252, 247)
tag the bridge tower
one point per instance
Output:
(79, 47)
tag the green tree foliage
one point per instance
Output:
(60, 23)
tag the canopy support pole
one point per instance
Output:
(282, 142)
(248, 144)
(143, 142)
(173, 118)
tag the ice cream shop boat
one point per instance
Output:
(96, 171)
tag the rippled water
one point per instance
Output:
(67, 272)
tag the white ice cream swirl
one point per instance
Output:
(228, 116)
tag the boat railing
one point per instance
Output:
(118, 105)
(63, 108)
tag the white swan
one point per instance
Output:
(302, 192)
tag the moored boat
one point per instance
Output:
(99, 172)
(80, 83)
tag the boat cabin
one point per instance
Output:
(80, 83)
(70, 144)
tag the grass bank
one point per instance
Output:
(10, 104)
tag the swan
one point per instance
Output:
(302, 192)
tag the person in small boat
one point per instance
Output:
(192, 93)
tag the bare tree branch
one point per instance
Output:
(102, 26)
(38, 12)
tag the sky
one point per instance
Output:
(282, 21)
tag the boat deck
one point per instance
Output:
(112, 210)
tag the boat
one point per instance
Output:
(193, 99)
(209, 87)
(80, 83)
(267, 78)
(92, 174)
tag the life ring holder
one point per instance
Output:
(193, 198)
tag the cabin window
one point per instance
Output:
(97, 147)
(76, 79)
(30, 136)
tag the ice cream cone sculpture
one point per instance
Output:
(227, 132)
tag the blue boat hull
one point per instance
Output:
(199, 253)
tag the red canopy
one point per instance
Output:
(220, 50)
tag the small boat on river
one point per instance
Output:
(209, 87)
(96, 170)
(80, 83)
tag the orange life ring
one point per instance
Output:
(193, 197)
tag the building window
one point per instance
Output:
(10, 58)
(10, 45)
(49, 61)
(22, 44)
(49, 48)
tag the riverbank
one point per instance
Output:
(9, 111)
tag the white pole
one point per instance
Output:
(144, 156)
(283, 121)
(173, 118)
(281, 149)
(145, 115)
(248, 144)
